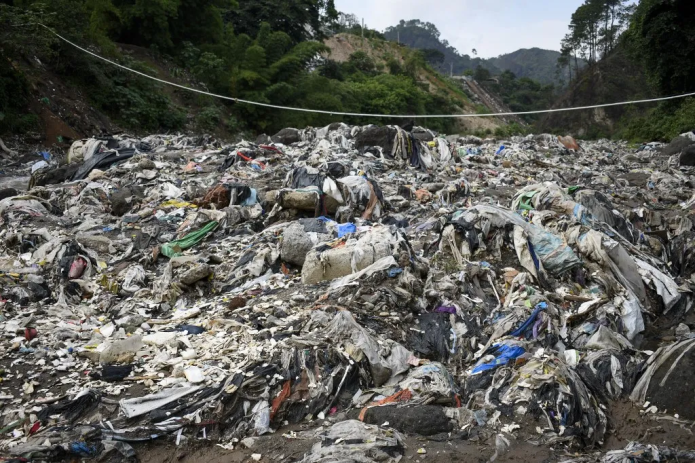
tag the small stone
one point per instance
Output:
(237, 303)
(256, 457)
(146, 164)
(682, 330)
(249, 442)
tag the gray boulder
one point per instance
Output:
(287, 136)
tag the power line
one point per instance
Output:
(339, 113)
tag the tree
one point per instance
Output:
(166, 24)
(17, 39)
(264, 51)
(434, 57)
(332, 70)
(585, 28)
(254, 59)
(481, 74)
(394, 67)
(660, 35)
(594, 29)
(413, 63)
(277, 46)
(362, 62)
(425, 36)
(348, 21)
(565, 61)
(299, 19)
(104, 19)
(521, 94)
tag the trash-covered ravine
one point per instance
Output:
(349, 294)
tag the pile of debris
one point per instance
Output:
(375, 281)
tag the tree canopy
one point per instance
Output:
(661, 37)
(270, 51)
(594, 31)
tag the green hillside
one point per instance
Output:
(425, 36)
(534, 63)
(649, 54)
(269, 51)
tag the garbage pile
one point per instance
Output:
(375, 281)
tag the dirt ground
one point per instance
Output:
(627, 425)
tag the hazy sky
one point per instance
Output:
(493, 27)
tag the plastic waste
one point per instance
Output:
(261, 422)
(352, 270)
(176, 248)
(140, 405)
(194, 375)
(502, 354)
(121, 351)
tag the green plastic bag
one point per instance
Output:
(175, 248)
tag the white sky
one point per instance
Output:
(493, 27)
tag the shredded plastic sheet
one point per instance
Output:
(441, 297)
(138, 406)
(378, 266)
(503, 355)
(176, 248)
(665, 286)
(354, 441)
(663, 355)
(552, 251)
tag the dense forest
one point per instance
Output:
(537, 64)
(520, 94)
(274, 51)
(595, 29)
(634, 51)
(426, 37)
(269, 51)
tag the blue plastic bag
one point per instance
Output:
(530, 321)
(345, 228)
(503, 353)
(252, 200)
(394, 272)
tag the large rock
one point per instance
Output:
(687, 157)
(263, 139)
(425, 420)
(678, 145)
(287, 136)
(296, 243)
(124, 199)
(336, 263)
(300, 199)
(376, 136)
(422, 134)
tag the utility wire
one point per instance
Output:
(339, 113)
